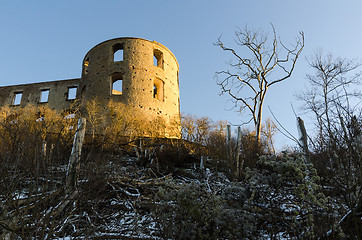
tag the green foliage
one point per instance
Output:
(285, 196)
(194, 213)
(279, 198)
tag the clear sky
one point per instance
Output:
(46, 40)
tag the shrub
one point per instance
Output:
(285, 197)
(190, 212)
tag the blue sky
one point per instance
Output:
(47, 40)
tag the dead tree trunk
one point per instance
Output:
(228, 143)
(303, 138)
(239, 165)
(74, 159)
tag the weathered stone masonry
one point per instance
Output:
(21, 95)
(141, 74)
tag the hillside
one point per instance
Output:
(152, 188)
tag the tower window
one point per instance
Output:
(86, 64)
(118, 52)
(158, 89)
(72, 93)
(17, 98)
(44, 96)
(116, 84)
(158, 58)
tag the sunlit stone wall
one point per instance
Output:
(141, 74)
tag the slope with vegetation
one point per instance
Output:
(161, 189)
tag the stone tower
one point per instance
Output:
(141, 74)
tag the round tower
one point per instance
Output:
(141, 74)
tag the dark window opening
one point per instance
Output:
(178, 80)
(116, 84)
(86, 64)
(158, 89)
(118, 52)
(72, 93)
(44, 96)
(17, 98)
(158, 58)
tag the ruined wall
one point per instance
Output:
(141, 74)
(59, 95)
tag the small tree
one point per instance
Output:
(269, 129)
(95, 116)
(255, 70)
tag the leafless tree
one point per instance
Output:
(334, 101)
(261, 63)
(332, 91)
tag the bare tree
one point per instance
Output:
(332, 91)
(262, 64)
(334, 101)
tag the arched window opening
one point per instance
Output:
(17, 98)
(72, 93)
(158, 89)
(117, 87)
(116, 84)
(118, 52)
(158, 58)
(84, 90)
(44, 96)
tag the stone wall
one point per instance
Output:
(58, 95)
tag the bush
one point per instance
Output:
(285, 198)
(190, 212)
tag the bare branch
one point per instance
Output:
(249, 83)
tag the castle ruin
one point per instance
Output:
(141, 74)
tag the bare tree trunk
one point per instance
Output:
(228, 143)
(74, 159)
(259, 115)
(303, 138)
(239, 165)
(44, 150)
(258, 126)
(202, 162)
